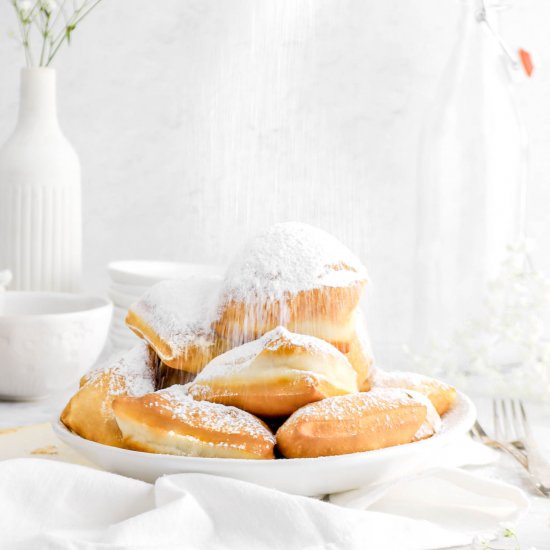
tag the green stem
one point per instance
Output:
(77, 17)
(21, 32)
(59, 11)
(24, 24)
(27, 45)
(44, 39)
(87, 11)
(46, 25)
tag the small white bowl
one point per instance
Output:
(144, 272)
(301, 476)
(48, 340)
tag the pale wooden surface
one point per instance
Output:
(37, 441)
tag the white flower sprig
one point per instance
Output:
(45, 25)
(506, 539)
(507, 348)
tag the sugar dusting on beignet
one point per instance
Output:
(169, 421)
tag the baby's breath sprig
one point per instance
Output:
(507, 345)
(45, 25)
(507, 536)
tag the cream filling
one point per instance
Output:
(331, 332)
(178, 444)
(266, 368)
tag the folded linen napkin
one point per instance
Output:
(54, 505)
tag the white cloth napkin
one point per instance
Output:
(53, 505)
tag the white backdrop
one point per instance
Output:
(198, 121)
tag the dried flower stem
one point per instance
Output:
(54, 22)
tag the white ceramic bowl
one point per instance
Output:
(147, 273)
(48, 340)
(302, 476)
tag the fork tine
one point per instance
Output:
(478, 429)
(506, 421)
(496, 420)
(519, 425)
(526, 426)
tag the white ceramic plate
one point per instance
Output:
(303, 476)
(143, 272)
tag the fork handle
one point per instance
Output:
(524, 461)
(514, 453)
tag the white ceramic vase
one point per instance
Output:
(40, 197)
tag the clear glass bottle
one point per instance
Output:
(471, 182)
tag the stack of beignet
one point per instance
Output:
(281, 341)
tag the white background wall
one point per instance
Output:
(198, 121)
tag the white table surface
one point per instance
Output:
(534, 529)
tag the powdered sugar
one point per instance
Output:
(210, 416)
(350, 406)
(129, 373)
(181, 311)
(239, 359)
(400, 379)
(288, 258)
(432, 424)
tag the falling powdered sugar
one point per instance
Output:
(181, 311)
(288, 258)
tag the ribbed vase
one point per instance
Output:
(40, 197)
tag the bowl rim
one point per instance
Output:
(101, 302)
(461, 425)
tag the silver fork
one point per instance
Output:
(479, 434)
(512, 427)
(510, 422)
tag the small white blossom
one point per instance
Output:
(508, 345)
(49, 6)
(25, 8)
